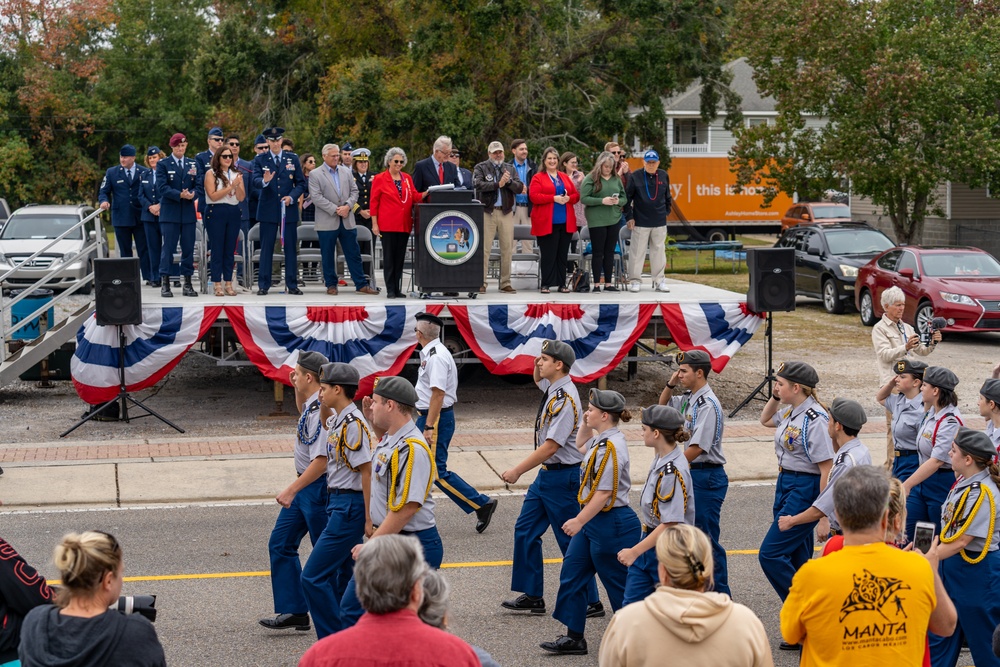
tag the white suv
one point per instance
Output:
(30, 229)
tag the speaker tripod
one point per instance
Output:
(758, 394)
(123, 398)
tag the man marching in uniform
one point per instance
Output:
(705, 420)
(348, 479)
(277, 176)
(437, 392)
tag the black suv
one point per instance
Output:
(827, 258)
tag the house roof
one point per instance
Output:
(742, 84)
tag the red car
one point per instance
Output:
(959, 284)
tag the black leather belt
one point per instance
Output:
(646, 529)
(704, 466)
(340, 492)
(905, 452)
(797, 473)
(944, 470)
(447, 409)
(559, 466)
(402, 532)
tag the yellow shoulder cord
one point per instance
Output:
(391, 503)
(343, 444)
(983, 491)
(594, 477)
(551, 411)
(657, 498)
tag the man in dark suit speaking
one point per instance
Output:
(436, 169)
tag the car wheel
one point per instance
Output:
(867, 309)
(460, 352)
(89, 287)
(716, 234)
(831, 299)
(922, 320)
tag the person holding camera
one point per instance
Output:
(603, 195)
(21, 590)
(79, 629)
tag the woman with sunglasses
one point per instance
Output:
(392, 199)
(224, 190)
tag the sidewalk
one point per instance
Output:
(183, 470)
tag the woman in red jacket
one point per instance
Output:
(553, 221)
(392, 200)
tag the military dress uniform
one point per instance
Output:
(853, 453)
(935, 434)
(801, 442)
(177, 215)
(121, 191)
(330, 565)
(148, 196)
(288, 181)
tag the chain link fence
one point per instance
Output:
(984, 234)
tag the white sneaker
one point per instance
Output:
(634, 286)
(662, 286)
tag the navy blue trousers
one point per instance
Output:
(222, 222)
(783, 553)
(172, 233)
(975, 590)
(643, 577)
(925, 501)
(710, 488)
(904, 466)
(461, 492)
(123, 240)
(268, 238)
(306, 514)
(352, 254)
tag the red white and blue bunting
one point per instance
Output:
(720, 329)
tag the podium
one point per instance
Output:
(449, 253)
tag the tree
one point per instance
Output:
(908, 88)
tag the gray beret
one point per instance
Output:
(975, 443)
(694, 358)
(312, 361)
(911, 366)
(799, 372)
(991, 391)
(848, 413)
(939, 376)
(607, 400)
(560, 351)
(395, 388)
(662, 417)
(339, 373)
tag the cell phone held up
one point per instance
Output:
(923, 535)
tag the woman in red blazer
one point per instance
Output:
(392, 199)
(553, 221)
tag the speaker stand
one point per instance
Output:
(123, 397)
(758, 393)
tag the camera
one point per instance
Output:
(137, 604)
(936, 324)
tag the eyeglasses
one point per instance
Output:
(616, 152)
(454, 155)
(234, 143)
(260, 149)
(398, 162)
(215, 139)
(225, 157)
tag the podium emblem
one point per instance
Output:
(451, 238)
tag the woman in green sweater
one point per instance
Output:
(603, 194)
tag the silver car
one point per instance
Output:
(30, 229)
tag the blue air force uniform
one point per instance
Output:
(120, 188)
(177, 215)
(935, 434)
(288, 181)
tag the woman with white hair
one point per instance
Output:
(392, 199)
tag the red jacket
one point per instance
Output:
(393, 213)
(542, 193)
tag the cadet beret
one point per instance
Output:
(312, 361)
(991, 391)
(939, 376)
(274, 133)
(607, 400)
(662, 417)
(494, 146)
(559, 351)
(798, 372)
(361, 154)
(215, 132)
(260, 139)
(975, 443)
(346, 146)
(176, 140)
(395, 388)
(152, 150)
(128, 150)
(427, 317)
(694, 358)
(848, 413)
(911, 366)
(340, 373)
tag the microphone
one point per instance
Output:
(940, 323)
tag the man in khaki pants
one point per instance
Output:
(497, 184)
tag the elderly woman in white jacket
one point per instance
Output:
(682, 618)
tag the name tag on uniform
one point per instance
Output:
(119, 181)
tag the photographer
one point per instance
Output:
(21, 590)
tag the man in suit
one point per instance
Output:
(464, 175)
(203, 160)
(436, 169)
(334, 193)
(120, 193)
(497, 185)
(277, 174)
(176, 177)
(525, 169)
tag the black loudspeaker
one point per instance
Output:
(772, 279)
(117, 291)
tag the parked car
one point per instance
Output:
(809, 212)
(828, 256)
(30, 229)
(960, 284)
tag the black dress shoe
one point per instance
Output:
(188, 288)
(294, 290)
(177, 283)
(484, 515)
(566, 646)
(299, 622)
(785, 646)
(262, 292)
(390, 295)
(154, 283)
(595, 610)
(525, 603)
(165, 290)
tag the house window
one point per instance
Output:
(686, 132)
(754, 122)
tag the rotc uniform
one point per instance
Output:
(177, 215)
(120, 188)
(935, 434)
(853, 453)
(330, 565)
(972, 576)
(288, 181)
(907, 413)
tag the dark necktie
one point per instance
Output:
(538, 417)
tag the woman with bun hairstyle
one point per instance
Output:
(682, 622)
(80, 630)
(667, 497)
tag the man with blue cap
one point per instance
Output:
(203, 160)
(649, 202)
(277, 175)
(120, 193)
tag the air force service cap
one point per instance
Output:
(274, 133)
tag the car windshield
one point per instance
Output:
(857, 241)
(29, 226)
(967, 264)
(826, 212)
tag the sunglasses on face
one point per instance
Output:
(234, 143)
(215, 140)
(260, 149)
(225, 157)
(397, 162)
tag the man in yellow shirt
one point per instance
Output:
(870, 603)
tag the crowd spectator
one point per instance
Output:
(622, 168)
(436, 169)
(553, 220)
(224, 190)
(434, 610)
(464, 175)
(604, 196)
(649, 202)
(308, 214)
(497, 184)
(21, 590)
(393, 197)
(526, 170)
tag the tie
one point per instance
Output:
(128, 172)
(441, 173)
(538, 418)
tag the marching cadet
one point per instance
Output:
(303, 502)
(605, 525)
(928, 486)
(175, 182)
(120, 192)
(846, 419)
(907, 409)
(551, 500)
(989, 409)
(970, 563)
(666, 498)
(805, 457)
(705, 421)
(401, 479)
(437, 393)
(278, 178)
(348, 479)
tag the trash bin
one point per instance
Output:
(25, 307)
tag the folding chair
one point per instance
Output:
(523, 233)
(365, 236)
(308, 257)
